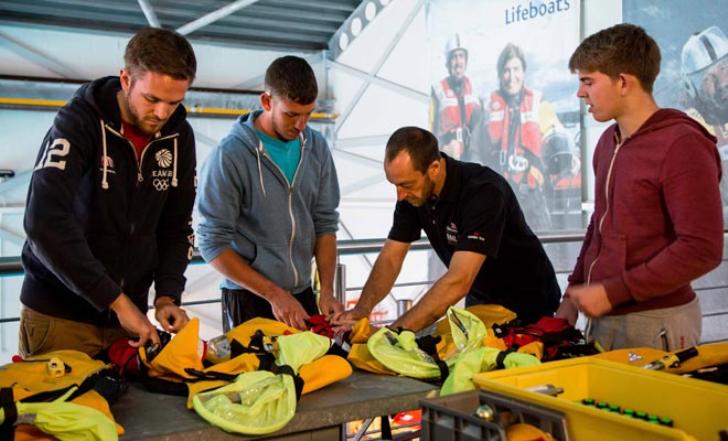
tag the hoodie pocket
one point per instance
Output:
(273, 261)
(612, 259)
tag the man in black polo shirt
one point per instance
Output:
(474, 223)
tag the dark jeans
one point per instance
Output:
(241, 305)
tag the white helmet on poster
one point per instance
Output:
(455, 42)
(702, 50)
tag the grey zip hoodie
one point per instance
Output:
(247, 205)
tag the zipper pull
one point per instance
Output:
(140, 178)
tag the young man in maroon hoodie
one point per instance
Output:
(657, 222)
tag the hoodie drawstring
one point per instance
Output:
(105, 157)
(260, 170)
(174, 167)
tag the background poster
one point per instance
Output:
(519, 116)
(694, 71)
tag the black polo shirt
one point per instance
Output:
(477, 211)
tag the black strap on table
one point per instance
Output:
(210, 375)
(266, 362)
(428, 343)
(255, 346)
(7, 428)
(287, 370)
(501, 357)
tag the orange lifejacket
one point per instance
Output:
(525, 152)
(449, 113)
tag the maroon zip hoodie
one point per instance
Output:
(657, 222)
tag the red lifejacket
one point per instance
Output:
(528, 135)
(449, 108)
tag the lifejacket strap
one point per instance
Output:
(7, 428)
(501, 358)
(428, 344)
(297, 380)
(210, 375)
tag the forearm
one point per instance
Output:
(447, 291)
(325, 254)
(379, 284)
(235, 268)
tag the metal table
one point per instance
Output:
(319, 416)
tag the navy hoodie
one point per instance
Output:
(98, 221)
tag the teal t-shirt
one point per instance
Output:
(286, 154)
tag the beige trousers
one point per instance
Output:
(40, 333)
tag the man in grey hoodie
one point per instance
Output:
(268, 205)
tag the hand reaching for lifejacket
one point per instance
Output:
(171, 317)
(328, 305)
(132, 319)
(567, 311)
(288, 310)
(344, 321)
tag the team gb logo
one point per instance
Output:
(164, 158)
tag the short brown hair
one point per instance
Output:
(291, 78)
(624, 48)
(508, 52)
(420, 144)
(161, 51)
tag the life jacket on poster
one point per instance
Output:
(515, 160)
(60, 393)
(452, 117)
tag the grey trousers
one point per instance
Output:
(668, 329)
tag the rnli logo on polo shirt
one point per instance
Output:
(451, 233)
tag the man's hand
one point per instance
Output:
(134, 321)
(568, 311)
(171, 317)
(347, 319)
(328, 305)
(288, 310)
(591, 299)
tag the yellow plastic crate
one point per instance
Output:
(699, 409)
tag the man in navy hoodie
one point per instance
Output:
(657, 222)
(109, 206)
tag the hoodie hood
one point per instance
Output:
(245, 130)
(670, 117)
(101, 96)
